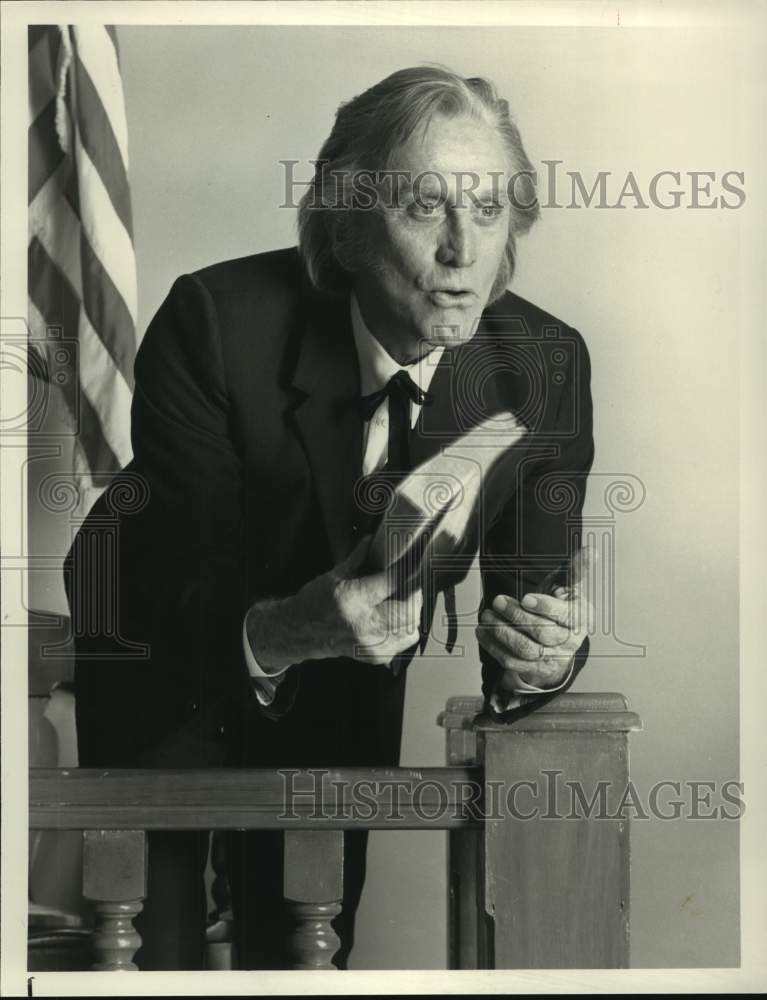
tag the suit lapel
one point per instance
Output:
(327, 418)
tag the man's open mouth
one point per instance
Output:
(448, 298)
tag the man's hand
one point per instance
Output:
(358, 616)
(535, 641)
(340, 613)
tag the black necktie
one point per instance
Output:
(400, 390)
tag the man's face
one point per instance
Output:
(435, 251)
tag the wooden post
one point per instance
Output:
(467, 922)
(543, 891)
(313, 893)
(556, 840)
(114, 879)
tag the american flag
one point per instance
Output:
(81, 267)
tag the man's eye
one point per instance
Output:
(425, 208)
(490, 211)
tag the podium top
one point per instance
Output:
(602, 711)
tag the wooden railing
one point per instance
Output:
(529, 885)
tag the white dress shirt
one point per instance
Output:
(377, 367)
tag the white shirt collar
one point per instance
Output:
(377, 366)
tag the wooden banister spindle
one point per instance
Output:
(220, 890)
(114, 880)
(313, 891)
(219, 947)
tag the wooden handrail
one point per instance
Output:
(254, 798)
(525, 891)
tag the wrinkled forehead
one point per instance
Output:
(447, 154)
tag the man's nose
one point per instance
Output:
(457, 247)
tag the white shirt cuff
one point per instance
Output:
(265, 685)
(522, 687)
(503, 701)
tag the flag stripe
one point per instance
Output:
(107, 390)
(37, 31)
(72, 191)
(59, 237)
(46, 199)
(99, 140)
(106, 311)
(112, 32)
(57, 305)
(40, 344)
(100, 457)
(97, 54)
(43, 56)
(107, 236)
(37, 356)
(55, 299)
(45, 153)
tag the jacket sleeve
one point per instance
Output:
(187, 545)
(540, 526)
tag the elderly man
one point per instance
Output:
(267, 388)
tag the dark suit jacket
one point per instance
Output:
(247, 443)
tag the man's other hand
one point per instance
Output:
(535, 641)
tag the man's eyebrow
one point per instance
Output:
(430, 187)
(490, 192)
(496, 192)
